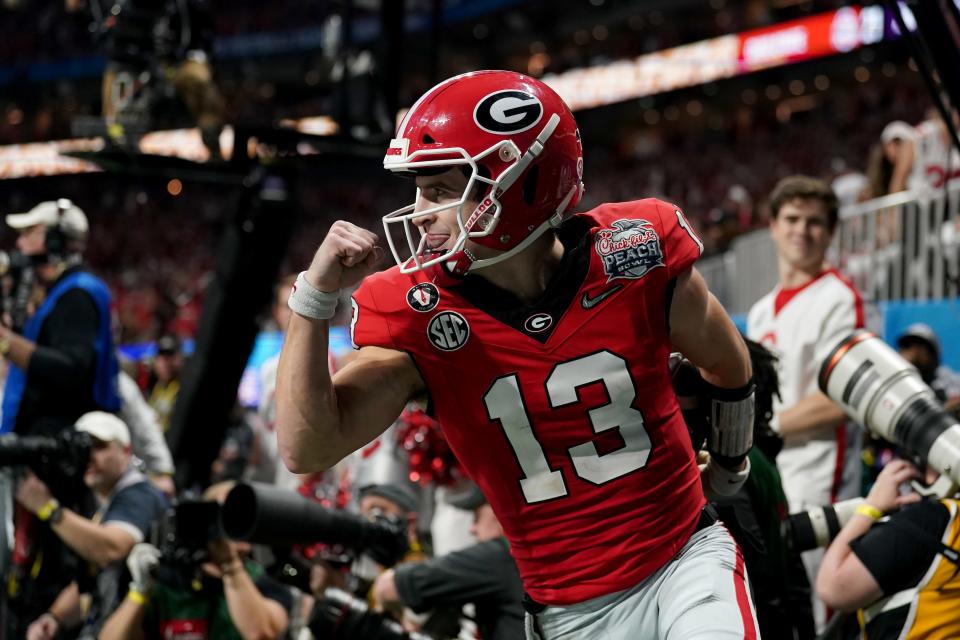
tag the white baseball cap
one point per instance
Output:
(897, 130)
(72, 221)
(104, 426)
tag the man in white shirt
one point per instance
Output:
(805, 316)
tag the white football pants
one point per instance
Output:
(702, 593)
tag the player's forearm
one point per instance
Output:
(307, 412)
(814, 413)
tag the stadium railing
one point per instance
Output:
(905, 246)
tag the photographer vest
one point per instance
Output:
(105, 390)
(928, 610)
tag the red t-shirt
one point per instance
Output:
(562, 411)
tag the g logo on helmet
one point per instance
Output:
(508, 111)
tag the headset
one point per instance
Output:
(56, 239)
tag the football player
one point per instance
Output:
(541, 340)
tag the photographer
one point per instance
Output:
(910, 561)
(62, 365)
(920, 346)
(129, 504)
(394, 500)
(231, 599)
(483, 574)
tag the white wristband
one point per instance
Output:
(718, 482)
(308, 301)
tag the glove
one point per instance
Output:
(719, 481)
(142, 562)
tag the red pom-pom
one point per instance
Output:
(431, 460)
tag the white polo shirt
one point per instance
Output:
(802, 325)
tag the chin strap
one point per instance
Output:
(555, 220)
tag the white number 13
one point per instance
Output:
(504, 402)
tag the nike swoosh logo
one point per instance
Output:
(590, 303)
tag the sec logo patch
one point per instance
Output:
(448, 331)
(423, 297)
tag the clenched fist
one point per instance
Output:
(346, 256)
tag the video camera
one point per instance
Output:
(264, 514)
(60, 460)
(146, 41)
(184, 532)
(883, 392)
(17, 277)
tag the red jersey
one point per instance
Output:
(562, 411)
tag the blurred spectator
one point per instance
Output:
(930, 159)
(162, 394)
(850, 185)
(237, 446)
(483, 574)
(128, 505)
(885, 156)
(266, 465)
(231, 599)
(919, 345)
(147, 438)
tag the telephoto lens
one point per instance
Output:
(818, 527)
(340, 616)
(884, 393)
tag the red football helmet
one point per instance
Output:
(517, 136)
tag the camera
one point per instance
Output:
(883, 392)
(185, 530)
(261, 513)
(17, 278)
(818, 527)
(59, 460)
(340, 616)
